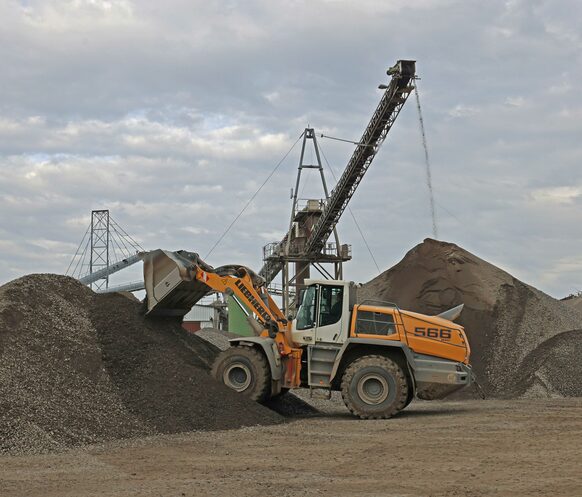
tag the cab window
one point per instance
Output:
(375, 323)
(330, 304)
(306, 311)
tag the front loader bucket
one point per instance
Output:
(170, 282)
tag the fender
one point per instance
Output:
(373, 341)
(269, 348)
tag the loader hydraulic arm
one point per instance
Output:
(240, 287)
(175, 281)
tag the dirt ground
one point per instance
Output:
(468, 448)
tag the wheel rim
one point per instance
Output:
(373, 389)
(237, 376)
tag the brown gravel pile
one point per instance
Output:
(78, 367)
(523, 341)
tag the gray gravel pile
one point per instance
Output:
(574, 302)
(553, 369)
(218, 338)
(77, 367)
(523, 341)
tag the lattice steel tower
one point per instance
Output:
(290, 254)
(99, 256)
(106, 248)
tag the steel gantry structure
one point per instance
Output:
(317, 226)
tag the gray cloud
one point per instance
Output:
(173, 114)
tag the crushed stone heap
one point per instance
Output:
(78, 367)
(574, 301)
(524, 342)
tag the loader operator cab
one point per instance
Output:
(324, 312)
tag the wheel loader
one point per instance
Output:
(379, 356)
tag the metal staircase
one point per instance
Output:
(321, 359)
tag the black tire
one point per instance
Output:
(374, 387)
(245, 370)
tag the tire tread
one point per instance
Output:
(375, 361)
(257, 359)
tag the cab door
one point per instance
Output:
(330, 313)
(304, 325)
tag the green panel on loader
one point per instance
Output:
(237, 320)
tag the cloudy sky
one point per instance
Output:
(171, 114)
